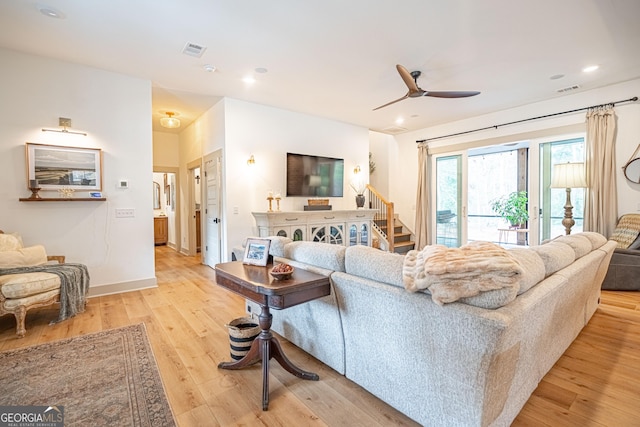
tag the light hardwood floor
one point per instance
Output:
(595, 383)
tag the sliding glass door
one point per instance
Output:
(466, 183)
(552, 200)
(493, 173)
(449, 195)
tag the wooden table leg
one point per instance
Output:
(278, 354)
(263, 348)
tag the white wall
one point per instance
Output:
(166, 149)
(241, 129)
(380, 145)
(403, 173)
(115, 112)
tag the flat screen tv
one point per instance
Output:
(314, 176)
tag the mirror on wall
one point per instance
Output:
(632, 168)
(156, 195)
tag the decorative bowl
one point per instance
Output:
(282, 272)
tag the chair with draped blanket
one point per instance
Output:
(29, 279)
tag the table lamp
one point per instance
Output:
(568, 175)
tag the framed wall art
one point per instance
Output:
(57, 167)
(257, 252)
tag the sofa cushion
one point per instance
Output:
(304, 266)
(532, 266)
(23, 257)
(374, 264)
(491, 299)
(323, 255)
(454, 273)
(555, 256)
(596, 239)
(581, 245)
(10, 242)
(627, 230)
(14, 286)
(11, 304)
(636, 244)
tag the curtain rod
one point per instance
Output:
(634, 99)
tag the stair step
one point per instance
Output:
(403, 247)
(381, 222)
(397, 229)
(401, 237)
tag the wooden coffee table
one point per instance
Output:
(256, 284)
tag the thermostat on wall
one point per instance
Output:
(123, 183)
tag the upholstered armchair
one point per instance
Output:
(22, 291)
(624, 269)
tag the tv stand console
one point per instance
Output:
(340, 227)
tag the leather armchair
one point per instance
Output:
(624, 269)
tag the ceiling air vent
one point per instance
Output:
(193, 49)
(568, 89)
(394, 129)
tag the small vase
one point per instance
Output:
(360, 201)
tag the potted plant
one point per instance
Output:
(513, 208)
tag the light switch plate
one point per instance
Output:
(125, 213)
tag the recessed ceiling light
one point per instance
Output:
(208, 67)
(249, 80)
(590, 68)
(556, 76)
(261, 70)
(413, 116)
(50, 12)
(399, 121)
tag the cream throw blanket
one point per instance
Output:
(453, 273)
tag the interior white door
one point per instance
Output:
(213, 223)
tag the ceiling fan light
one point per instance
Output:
(170, 122)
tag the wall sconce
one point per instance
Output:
(170, 122)
(251, 161)
(357, 170)
(65, 123)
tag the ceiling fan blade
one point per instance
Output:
(451, 94)
(392, 102)
(408, 79)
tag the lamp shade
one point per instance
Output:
(568, 175)
(170, 121)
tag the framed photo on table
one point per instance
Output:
(257, 252)
(54, 167)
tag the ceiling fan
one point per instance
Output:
(411, 80)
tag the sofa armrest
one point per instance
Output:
(59, 258)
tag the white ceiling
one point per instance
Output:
(336, 58)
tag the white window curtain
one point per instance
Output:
(601, 204)
(422, 198)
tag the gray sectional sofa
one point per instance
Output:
(474, 362)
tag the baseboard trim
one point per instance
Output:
(118, 288)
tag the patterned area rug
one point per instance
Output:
(109, 378)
